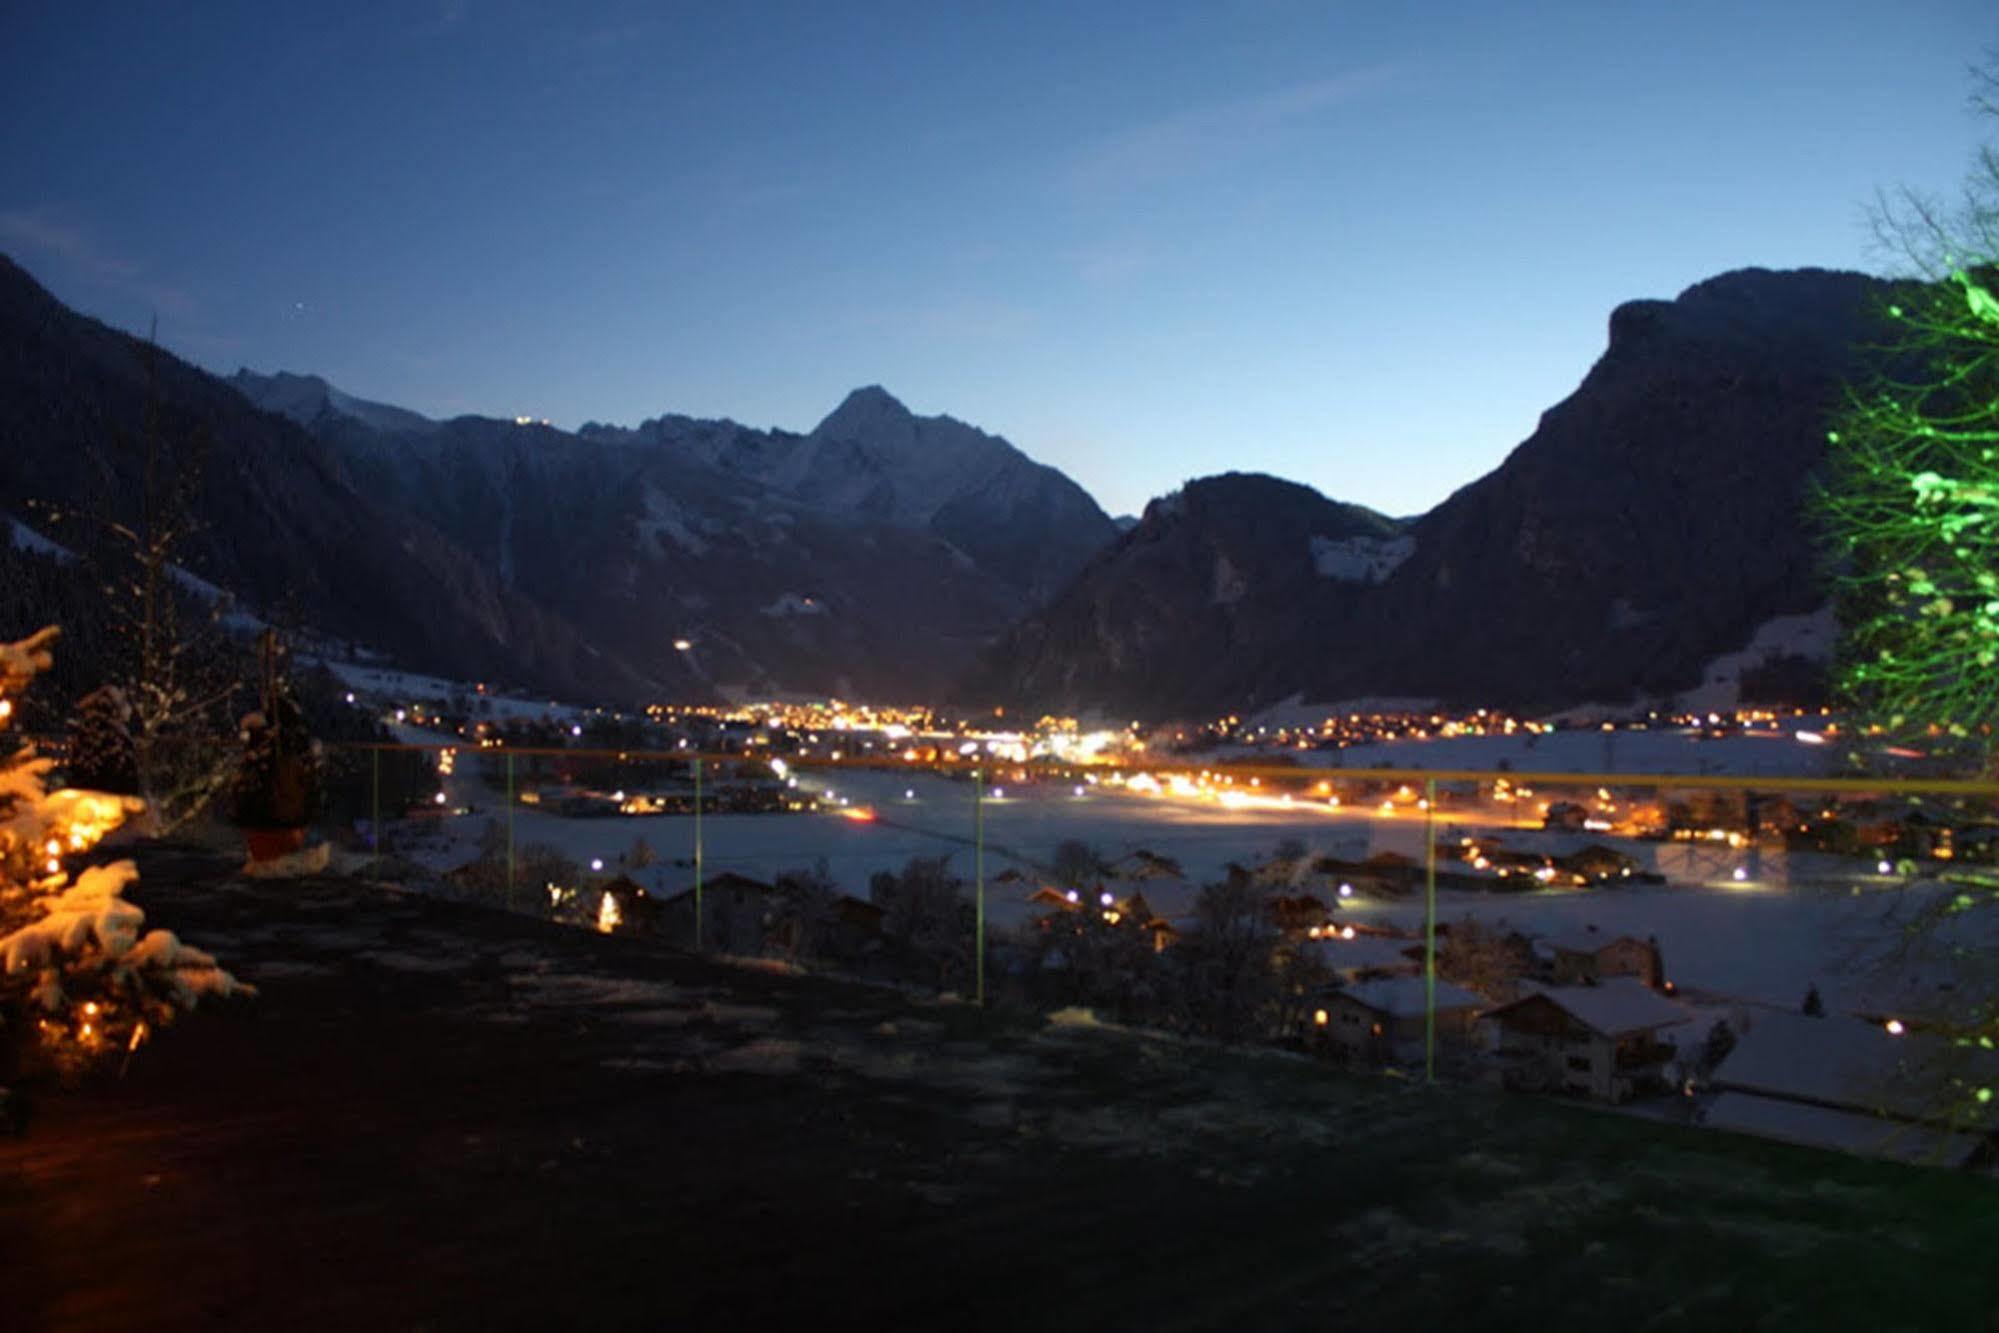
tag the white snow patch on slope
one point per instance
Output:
(1360, 559)
(1810, 635)
(27, 539)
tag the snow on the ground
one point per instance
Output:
(1799, 921)
(389, 686)
(1810, 635)
(27, 539)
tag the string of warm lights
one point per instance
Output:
(74, 963)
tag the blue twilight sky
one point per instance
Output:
(1361, 245)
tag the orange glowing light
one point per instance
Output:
(860, 814)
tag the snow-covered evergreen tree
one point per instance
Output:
(81, 980)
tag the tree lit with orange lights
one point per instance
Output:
(82, 983)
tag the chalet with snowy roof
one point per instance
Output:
(1298, 912)
(1131, 911)
(1360, 957)
(1141, 864)
(1136, 911)
(738, 914)
(1580, 957)
(1857, 1087)
(1383, 1021)
(1049, 898)
(1599, 1041)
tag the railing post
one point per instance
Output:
(375, 801)
(1430, 930)
(697, 855)
(510, 830)
(979, 884)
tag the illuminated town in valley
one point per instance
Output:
(1187, 666)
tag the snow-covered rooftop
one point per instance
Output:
(1848, 1063)
(1614, 1008)
(1362, 951)
(1401, 997)
(1587, 940)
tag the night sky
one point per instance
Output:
(1358, 245)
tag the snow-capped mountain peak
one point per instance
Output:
(308, 398)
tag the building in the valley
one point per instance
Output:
(1589, 955)
(1047, 898)
(1142, 864)
(1601, 1041)
(1565, 815)
(1841, 1083)
(1359, 957)
(1382, 1021)
(1296, 913)
(1599, 864)
(738, 914)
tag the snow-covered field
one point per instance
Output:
(392, 686)
(1798, 922)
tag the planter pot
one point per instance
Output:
(268, 844)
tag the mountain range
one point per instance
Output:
(1650, 525)
(682, 559)
(1655, 519)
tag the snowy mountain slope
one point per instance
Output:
(282, 524)
(643, 544)
(872, 459)
(307, 399)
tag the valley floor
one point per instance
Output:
(439, 1117)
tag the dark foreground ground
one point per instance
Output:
(436, 1118)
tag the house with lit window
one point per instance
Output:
(1382, 1021)
(1600, 1041)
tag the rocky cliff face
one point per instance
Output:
(1650, 524)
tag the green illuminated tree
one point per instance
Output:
(1911, 497)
